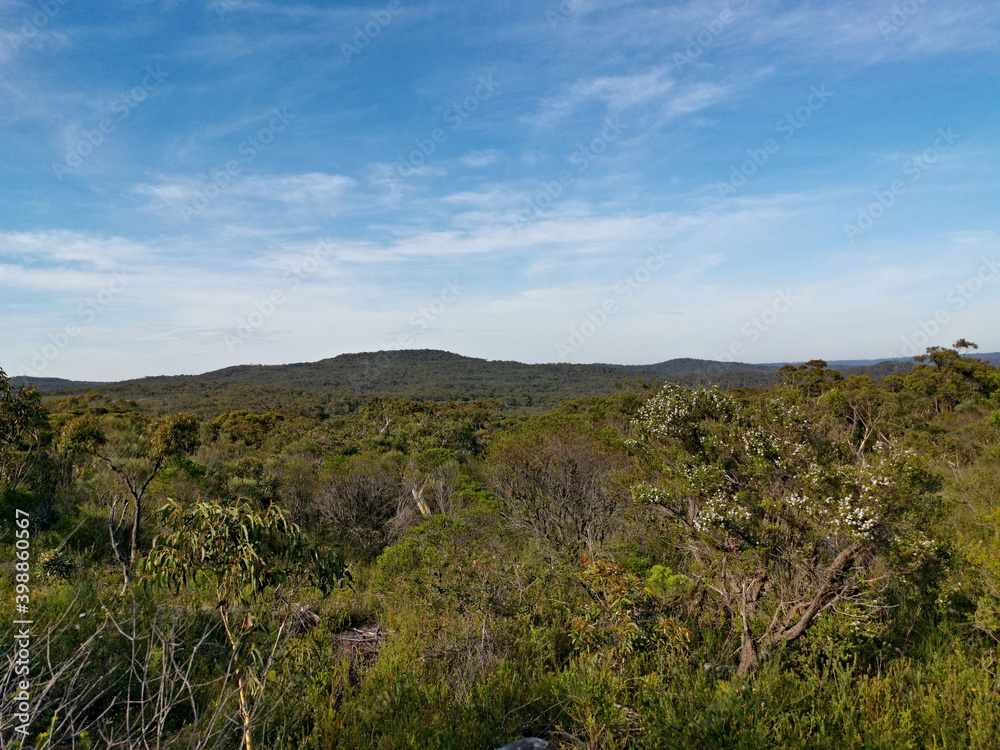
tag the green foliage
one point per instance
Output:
(561, 484)
(250, 429)
(627, 614)
(24, 434)
(83, 434)
(342, 385)
(120, 454)
(238, 553)
(836, 536)
(951, 378)
(813, 378)
(666, 585)
(945, 700)
(175, 436)
(236, 550)
(57, 565)
(782, 525)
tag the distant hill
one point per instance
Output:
(992, 358)
(685, 365)
(342, 383)
(52, 384)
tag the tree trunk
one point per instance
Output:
(244, 712)
(134, 541)
(123, 559)
(755, 651)
(241, 684)
(748, 652)
(418, 498)
(826, 594)
(749, 595)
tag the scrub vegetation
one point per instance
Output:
(810, 564)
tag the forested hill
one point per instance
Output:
(338, 384)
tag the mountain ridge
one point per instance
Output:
(675, 365)
(339, 384)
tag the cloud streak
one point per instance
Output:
(264, 141)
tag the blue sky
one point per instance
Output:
(191, 185)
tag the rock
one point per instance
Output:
(528, 743)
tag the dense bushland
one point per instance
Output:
(810, 565)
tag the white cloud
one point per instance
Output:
(696, 98)
(62, 247)
(870, 33)
(396, 233)
(615, 92)
(481, 158)
(234, 197)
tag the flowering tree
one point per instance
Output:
(778, 519)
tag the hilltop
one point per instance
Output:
(338, 384)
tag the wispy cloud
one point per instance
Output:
(64, 248)
(481, 158)
(230, 197)
(698, 89)
(616, 93)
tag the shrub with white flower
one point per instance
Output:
(782, 522)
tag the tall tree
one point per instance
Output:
(859, 403)
(951, 378)
(239, 553)
(813, 377)
(561, 485)
(23, 427)
(132, 449)
(963, 345)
